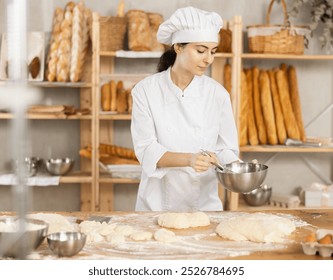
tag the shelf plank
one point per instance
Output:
(56, 84)
(223, 55)
(116, 117)
(48, 117)
(285, 149)
(147, 54)
(76, 177)
(285, 56)
(107, 179)
(131, 54)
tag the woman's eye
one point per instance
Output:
(201, 51)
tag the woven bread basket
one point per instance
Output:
(279, 39)
(112, 33)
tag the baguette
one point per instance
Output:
(122, 105)
(261, 127)
(279, 121)
(288, 114)
(113, 89)
(267, 107)
(295, 100)
(118, 151)
(106, 97)
(251, 123)
(129, 100)
(227, 77)
(243, 111)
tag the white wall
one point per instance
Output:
(286, 171)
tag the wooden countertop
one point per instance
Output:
(197, 243)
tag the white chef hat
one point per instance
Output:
(190, 24)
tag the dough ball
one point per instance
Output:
(56, 222)
(141, 235)
(164, 235)
(183, 220)
(258, 227)
(124, 229)
(115, 238)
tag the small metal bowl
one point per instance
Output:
(65, 243)
(59, 166)
(259, 196)
(242, 177)
(13, 243)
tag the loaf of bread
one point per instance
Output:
(106, 157)
(251, 123)
(65, 44)
(129, 100)
(225, 40)
(80, 39)
(34, 67)
(138, 28)
(288, 114)
(279, 121)
(261, 127)
(267, 107)
(295, 100)
(122, 105)
(106, 97)
(52, 56)
(243, 114)
(227, 77)
(155, 19)
(114, 150)
(113, 91)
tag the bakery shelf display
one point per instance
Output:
(228, 69)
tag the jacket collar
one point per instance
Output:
(173, 93)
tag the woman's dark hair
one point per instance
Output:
(168, 58)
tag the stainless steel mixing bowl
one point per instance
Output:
(15, 244)
(242, 177)
(66, 244)
(59, 166)
(259, 196)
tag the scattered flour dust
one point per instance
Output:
(193, 243)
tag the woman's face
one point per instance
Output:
(196, 57)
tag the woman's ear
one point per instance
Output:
(178, 48)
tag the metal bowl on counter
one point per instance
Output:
(66, 244)
(242, 177)
(259, 196)
(17, 243)
(59, 166)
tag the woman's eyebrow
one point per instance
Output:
(207, 47)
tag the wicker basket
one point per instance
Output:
(112, 33)
(280, 39)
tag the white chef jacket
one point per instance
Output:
(165, 118)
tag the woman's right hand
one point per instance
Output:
(200, 162)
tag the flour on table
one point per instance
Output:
(164, 235)
(257, 227)
(183, 220)
(141, 235)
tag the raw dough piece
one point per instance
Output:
(183, 220)
(56, 222)
(124, 230)
(164, 235)
(141, 235)
(115, 238)
(258, 227)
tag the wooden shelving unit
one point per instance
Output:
(103, 124)
(84, 177)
